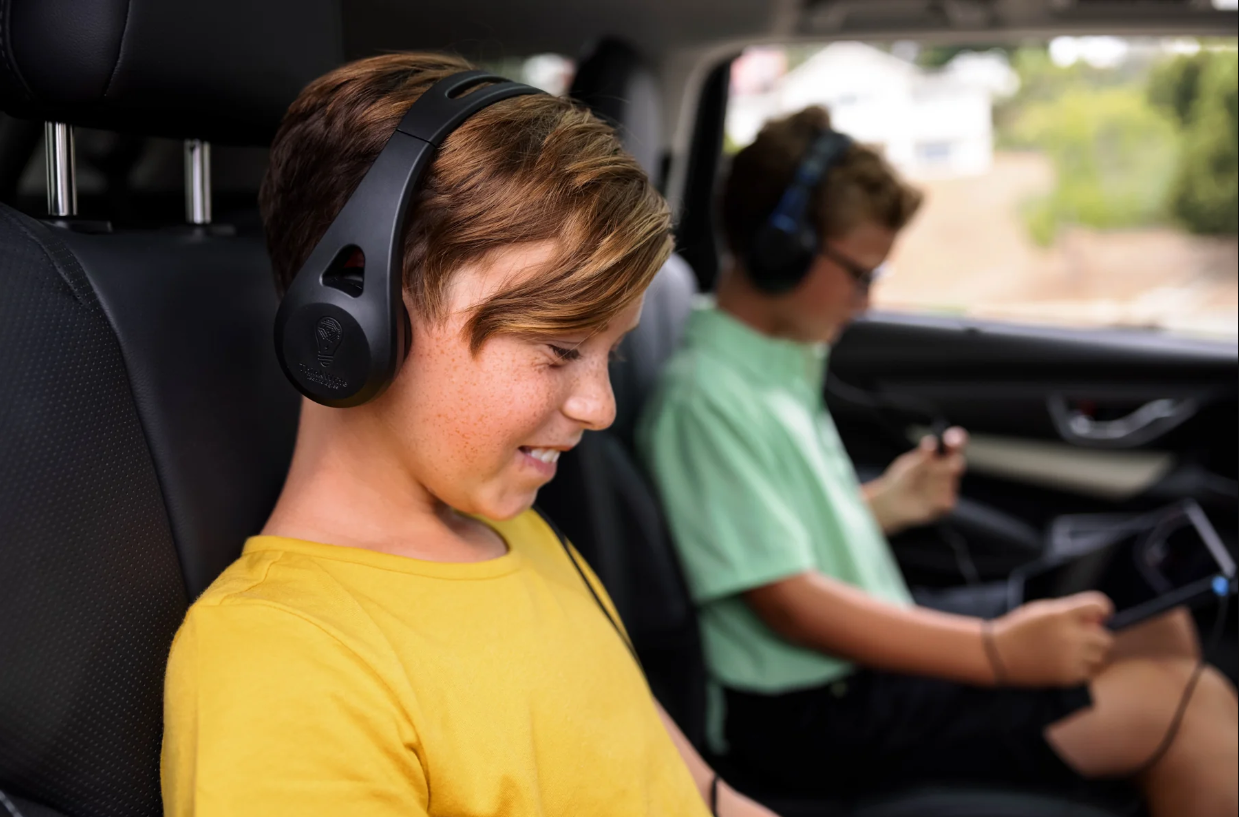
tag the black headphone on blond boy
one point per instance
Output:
(341, 331)
(785, 245)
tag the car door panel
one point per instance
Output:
(1062, 420)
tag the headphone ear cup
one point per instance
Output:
(780, 259)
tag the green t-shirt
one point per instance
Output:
(757, 487)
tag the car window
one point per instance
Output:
(1082, 181)
(551, 72)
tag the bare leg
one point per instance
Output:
(1170, 635)
(1134, 701)
(1197, 774)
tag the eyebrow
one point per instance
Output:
(575, 348)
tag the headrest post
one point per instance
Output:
(61, 166)
(197, 181)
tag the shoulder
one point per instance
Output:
(271, 597)
(701, 401)
(271, 578)
(698, 382)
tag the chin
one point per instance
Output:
(508, 506)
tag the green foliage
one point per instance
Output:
(1132, 146)
(1114, 157)
(1205, 195)
(1175, 84)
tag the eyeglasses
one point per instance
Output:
(862, 275)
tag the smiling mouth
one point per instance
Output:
(547, 455)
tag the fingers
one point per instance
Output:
(928, 444)
(1101, 641)
(1091, 606)
(1096, 652)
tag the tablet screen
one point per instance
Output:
(1169, 551)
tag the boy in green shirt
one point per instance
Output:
(828, 669)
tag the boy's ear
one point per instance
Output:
(406, 315)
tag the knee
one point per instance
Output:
(1216, 695)
(1210, 709)
(1156, 695)
(1133, 714)
(1145, 697)
(1181, 633)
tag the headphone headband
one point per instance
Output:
(341, 330)
(783, 248)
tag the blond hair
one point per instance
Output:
(528, 169)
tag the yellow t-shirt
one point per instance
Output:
(314, 679)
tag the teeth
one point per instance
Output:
(547, 455)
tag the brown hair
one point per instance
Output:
(527, 169)
(860, 187)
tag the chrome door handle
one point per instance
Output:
(1143, 425)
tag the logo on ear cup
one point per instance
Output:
(327, 336)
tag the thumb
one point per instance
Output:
(955, 438)
(928, 445)
(1091, 606)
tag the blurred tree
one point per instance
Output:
(1205, 194)
(1174, 84)
(1130, 148)
(1113, 154)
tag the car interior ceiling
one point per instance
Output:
(138, 473)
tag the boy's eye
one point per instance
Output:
(564, 353)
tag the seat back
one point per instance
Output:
(618, 86)
(145, 427)
(604, 503)
(600, 498)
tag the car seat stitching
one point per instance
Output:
(81, 290)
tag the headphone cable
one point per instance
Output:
(1215, 638)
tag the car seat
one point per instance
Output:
(145, 427)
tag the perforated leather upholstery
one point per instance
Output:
(145, 431)
(145, 428)
(91, 590)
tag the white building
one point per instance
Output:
(929, 123)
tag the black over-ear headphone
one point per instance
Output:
(341, 331)
(784, 246)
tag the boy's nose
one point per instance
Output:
(592, 403)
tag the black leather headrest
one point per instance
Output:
(619, 87)
(221, 70)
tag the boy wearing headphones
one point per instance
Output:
(406, 637)
(827, 671)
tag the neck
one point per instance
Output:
(759, 311)
(348, 486)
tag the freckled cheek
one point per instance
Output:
(489, 413)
